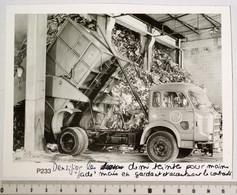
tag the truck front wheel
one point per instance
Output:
(72, 140)
(162, 147)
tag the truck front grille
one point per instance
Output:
(217, 133)
(217, 124)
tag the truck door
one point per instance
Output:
(175, 108)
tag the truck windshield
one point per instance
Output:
(199, 99)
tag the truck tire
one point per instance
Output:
(71, 141)
(85, 139)
(184, 152)
(162, 147)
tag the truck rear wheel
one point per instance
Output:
(184, 152)
(162, 147)
(72, 141)
(85, 138)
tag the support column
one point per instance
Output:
(180, 57)
(146, 48)
(109, 27)
(35, 82)
(106, 24)
(149, 53)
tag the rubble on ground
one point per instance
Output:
(22, 154)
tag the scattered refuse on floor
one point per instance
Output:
(124, 156)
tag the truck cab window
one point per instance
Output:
(174, 99)
(156, 100)
(199, 99)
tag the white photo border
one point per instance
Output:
(27, 170)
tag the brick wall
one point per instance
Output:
(202, 59)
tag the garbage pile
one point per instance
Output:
(166, 68)
(127, 43)
(128, 114)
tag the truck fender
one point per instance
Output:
(57, 120)
(147, 131)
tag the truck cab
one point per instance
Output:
(180, 117)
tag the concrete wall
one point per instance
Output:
(202, 59)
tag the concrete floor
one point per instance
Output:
(106, 156)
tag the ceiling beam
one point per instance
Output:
(171, 18)
(211, 20)
(200, 29)
(185, 24)
(151, 21)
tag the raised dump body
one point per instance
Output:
(80, 73)
(79, 69)
(78, 56)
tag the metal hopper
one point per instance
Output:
(79, 69)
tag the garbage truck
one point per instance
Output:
(81, 70)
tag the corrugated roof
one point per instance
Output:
(187, 24)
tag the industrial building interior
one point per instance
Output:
(190, 42)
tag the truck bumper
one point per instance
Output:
(205, 145)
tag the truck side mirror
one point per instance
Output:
(185, 103)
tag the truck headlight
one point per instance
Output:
(184, 125)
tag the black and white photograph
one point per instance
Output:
(120, 87)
